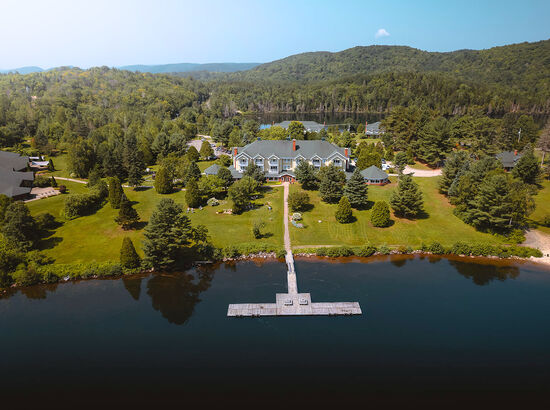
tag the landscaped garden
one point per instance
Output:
(438, 224)
(97, 237)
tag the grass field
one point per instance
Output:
(98, 238)
(439, 225)
(542, 201)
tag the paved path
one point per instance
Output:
(423, 173)
(292, 303)
(71, 179)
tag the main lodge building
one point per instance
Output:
(279, 159)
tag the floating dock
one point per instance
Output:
(292, 303)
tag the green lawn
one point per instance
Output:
(98, 238)
(440, 224)
(542, 201)
(61, 166)
(419, 165)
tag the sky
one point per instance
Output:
(85, 33)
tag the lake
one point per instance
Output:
(431, 327)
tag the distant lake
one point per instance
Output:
(430, 325)
(266, 119)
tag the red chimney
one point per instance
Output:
(346, 152)
(235, 152)
(293, 145)
(515, 153)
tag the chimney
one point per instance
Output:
(515, 153)
(346, 152)
(235, 157)
(293, 145)
(235, 152)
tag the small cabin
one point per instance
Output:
(375, 176)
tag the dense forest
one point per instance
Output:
(513, 78)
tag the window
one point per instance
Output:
(337, 162)
(287, 164)
(273, 168)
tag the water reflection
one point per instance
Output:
(175, 295)
(133, 286)
(483, 274)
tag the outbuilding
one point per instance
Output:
(375, 176)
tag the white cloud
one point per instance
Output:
(381, 33)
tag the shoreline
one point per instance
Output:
(542, 264)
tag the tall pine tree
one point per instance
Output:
(331, 187)
(343, 213)
(168, 230)
(163, 182)
(406, 200)
(356, 190)
(127, 215)
(305, 174)
(133, 160)
(115, 192)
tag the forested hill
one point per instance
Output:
(190, 67)
(524, 66)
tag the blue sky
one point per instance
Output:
(87, 33)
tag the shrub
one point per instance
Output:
(380, 215)
(384, 250)
(231, 251)
(343, 213)
(403, 249)
(365, 251)
(298, 201)
(45, 221)
(460, 248)
(129, 258)
(436, 248)
(546, 221)
(41, 181)
(62, 189)
(516, 236)
(83, 204)
(257, 227)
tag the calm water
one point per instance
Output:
(430, 326)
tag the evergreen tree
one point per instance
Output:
(527, 168)
(94, 176)
(5, 201)
(491, 207)
(343, 213)
(406, 200)
(133, 160)
(129, 258)
(54, 182)
(298, 201)
(206, 150)
(296, 130)
(305, 175)
(163, 182)
(331, 187)
(367, 159)
(191, 173)
(192, 194)
(400, 161)
(166, 233)
(356, 190)
(453, 166)
(115, 192)
(225, 175)
(51, 167)
(192, 154)
(19, 227)
(255, 172)
(127, 215)
(380, 215)
(433, 141)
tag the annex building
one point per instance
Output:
(15, 181)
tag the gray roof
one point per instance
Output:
(13, 161)
(212, 169)
(373, 129)
(509, 158)
(236, 174)
(310, 126)
(283, 149)
(10, 182)
(373, 172)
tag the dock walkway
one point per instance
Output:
(292, 303)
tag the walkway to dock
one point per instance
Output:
(292, 303)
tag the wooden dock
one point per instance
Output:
(292, 303)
